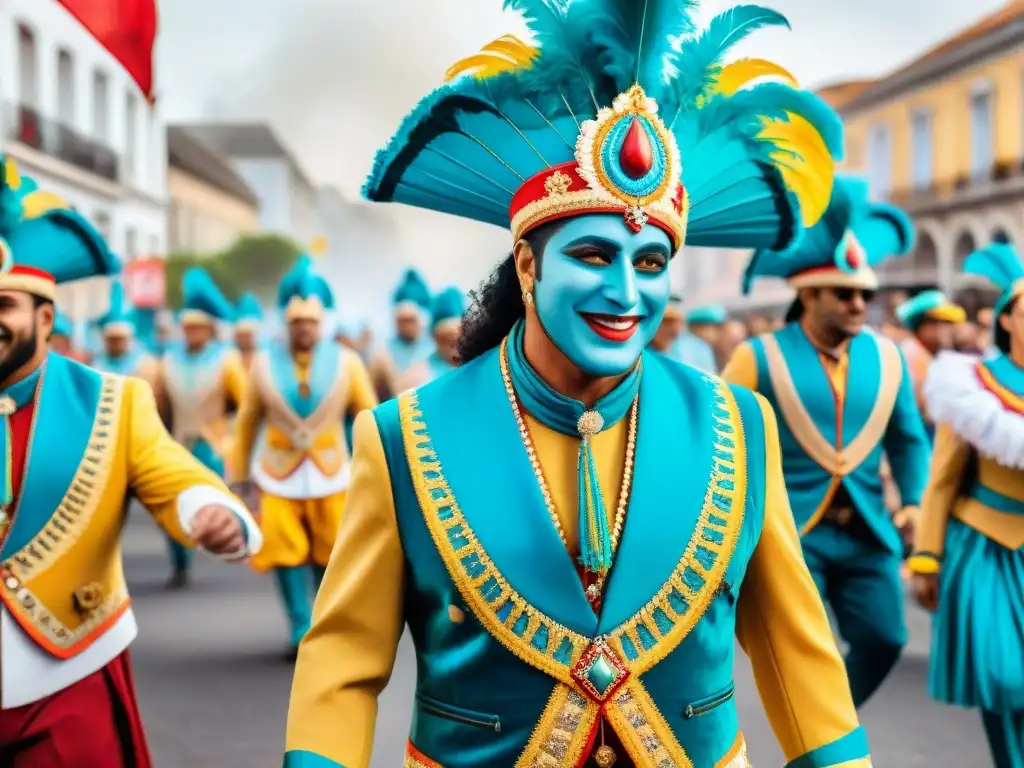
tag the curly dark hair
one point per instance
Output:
(496, 306)
(1002, 336)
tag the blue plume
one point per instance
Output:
(248, 307)
(448, 304)
(412, 287)
(884, 231)
(10, 201)
(62, 325)
(998, 263)
(303, 281)
(200, 292)
(697, 62)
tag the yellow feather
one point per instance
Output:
(505, 54)
(743, 71)
(37, 203)
(811, 172)
(317, 246)
(11, 175)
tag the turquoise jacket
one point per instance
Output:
(508, 681)
(879, 417)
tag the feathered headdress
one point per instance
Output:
(620, 106)
(44, 242)
(63, 325)
(853, 235)
(929, 305)
(1000, 264)
(303, 294)
(202, 300)
(710, 314)
(119, 319)
(248, 311)
(412, 292)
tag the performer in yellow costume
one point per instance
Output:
(248, 323)
(76, 444)
(409, 345)
(121, 353)
(576, 530)
(969, 549)
(202, 380)
(302, 389)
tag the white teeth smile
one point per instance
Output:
(615, 324)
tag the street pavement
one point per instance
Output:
(214, 689)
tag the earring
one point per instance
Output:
(527, 298)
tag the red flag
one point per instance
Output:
(126, 28)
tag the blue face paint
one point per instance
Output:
(603, 290)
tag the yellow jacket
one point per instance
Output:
(62, 577)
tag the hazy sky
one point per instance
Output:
(336, 76)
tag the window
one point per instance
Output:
(880, 161)
(154, 246)
(65, 87)
(131, 118)
(982, 138)
(100, 106)
(131, 244)
(101, 220)
(921, 149)
(28, 67)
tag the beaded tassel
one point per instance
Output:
(595, 537)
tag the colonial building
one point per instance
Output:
(210, 205)
(73, 118)
(943, 137)
(287, 198)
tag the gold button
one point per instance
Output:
(455, 614)
(7, 405)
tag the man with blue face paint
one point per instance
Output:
(846, 401)
(575, 529)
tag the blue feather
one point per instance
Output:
(998, 263)
(636, 38)
(697, 62)
(199, 291)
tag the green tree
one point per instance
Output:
(253, 263)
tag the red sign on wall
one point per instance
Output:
(144, 282)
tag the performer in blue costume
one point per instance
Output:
(248, 322)
(671, 329)
(845, 399)
(696, 346)
(412, 301)
(201, 379)
(121, 353)
(62, 340)
(931, 319)
(968, 563)
(574, 529)
(445, 327)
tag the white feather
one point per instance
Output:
(954, 395)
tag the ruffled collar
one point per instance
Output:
(979, 402)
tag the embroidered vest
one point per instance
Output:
(824, 447)
(523, 683)
(301, 427)
(195, 388)
(60, 566)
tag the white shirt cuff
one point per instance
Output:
(193, 499)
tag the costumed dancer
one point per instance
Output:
(704, 324)
(248, 321)
(445, 327)
(931, 319)
(301, 389)
(79, 442)
(968, 563)
(671, 329)
(412, 302)
(62, 340)
(122, 353)
(202, 380)
(695, 351)
(487, 508)
(845, 400)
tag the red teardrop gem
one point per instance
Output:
(636, 156)
(853, 259)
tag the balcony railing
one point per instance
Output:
(24, 124)
(1003, 177)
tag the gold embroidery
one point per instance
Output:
(489, 595)
(83, 495)
(557, 183)
(88, 598)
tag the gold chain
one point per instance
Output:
(531, 452)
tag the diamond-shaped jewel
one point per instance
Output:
(599, 672)
(636, 217)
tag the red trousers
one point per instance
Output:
(94, 723)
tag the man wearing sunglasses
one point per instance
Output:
(845, 402)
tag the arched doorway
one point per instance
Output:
(965, 246)
(1000, 236)
(926, 254)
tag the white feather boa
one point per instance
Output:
(954, 395)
